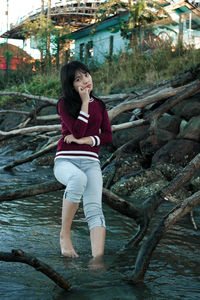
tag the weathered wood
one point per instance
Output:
(22, 257)
(128, 125)
(146, 251)
(38, 189)
(44, 150)
(28, 96)
(170, 103)
(39, 128)
(140, 102)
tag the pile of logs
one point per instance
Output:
(165, 95)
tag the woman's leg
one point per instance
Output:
(92, 205)
(97, 237)
(68, 211)
(75, 181)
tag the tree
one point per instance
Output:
(140, 15)
(40, 29)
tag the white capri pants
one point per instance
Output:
(83, 180)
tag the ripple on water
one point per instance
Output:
(33, 224)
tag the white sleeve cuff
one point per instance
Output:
(84, 114)
(93, 141)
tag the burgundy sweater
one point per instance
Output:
(95, 124)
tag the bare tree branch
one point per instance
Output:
(145, 253)
(40, 128)
(28, 96)
(22, 257)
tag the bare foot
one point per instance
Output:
(67, 248)
(97, 263)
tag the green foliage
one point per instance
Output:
(139, 14)
(12, 78)
(138, 71)
(43, 30)
(125, 73)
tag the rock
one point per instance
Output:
(152, 143)
(46, 160)
(10, 121)
(128, 163)
(182, 125)
(192, 130)
(127, 184)
(169, 171)
(187, 109)
(143, 192)
(121, 137)
(178, 152)
(169, 123)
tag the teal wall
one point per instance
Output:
(102, 41)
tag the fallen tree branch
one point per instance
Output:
(40, 128)
(128, 125)
(145, 253)
(29, 96)
(44, 150)
(8, 111)
(153, 202)
(22, 257)
(140, 102)
(171, 102)
(34, 190)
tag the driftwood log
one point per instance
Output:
(22, 257)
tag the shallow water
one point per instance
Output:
(33, 225)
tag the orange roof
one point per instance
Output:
(16, 51)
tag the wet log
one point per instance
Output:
(146, 251)
(34, 190)
(22, 257)
(42, 151)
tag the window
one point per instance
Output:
(90, 49)
(82, 48)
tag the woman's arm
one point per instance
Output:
(84, 140)
(78, 126)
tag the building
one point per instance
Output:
(18, 57)
(94, 43)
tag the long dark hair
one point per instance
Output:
(72, 100)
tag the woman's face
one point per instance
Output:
(83, 80)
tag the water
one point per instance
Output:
(33, 225)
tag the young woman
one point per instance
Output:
(85, 126)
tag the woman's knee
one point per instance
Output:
(75, 187)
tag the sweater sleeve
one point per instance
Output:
(78, 126)
(105, 135)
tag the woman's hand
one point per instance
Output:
(84, 94)
(70, 139)
(84, 140)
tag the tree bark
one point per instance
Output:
(22, 257)
(28, 96)
(44, 150)
(146, 251)
(40, 128)
(142, 102)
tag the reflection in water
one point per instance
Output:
(33, 225)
